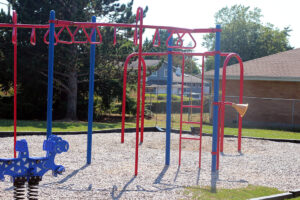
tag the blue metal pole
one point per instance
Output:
(169, 102)
(91, 97)
(50, 74)
(216, 99)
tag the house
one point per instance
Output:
(271, 87)
(156, 82)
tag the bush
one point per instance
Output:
(176, 98)
(162, 97)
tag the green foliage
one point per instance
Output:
(176, 98)
(130, 105)
(71, 67)
(162, 96)
(244, 33)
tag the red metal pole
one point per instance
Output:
(240, 101)
(201, 111)
(143, 100)
(124, 92)
(181, 108)
(124, 99)
(229, 56)
(14, 41)
(222, 107)
(140, 15)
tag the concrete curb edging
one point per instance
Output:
(288, 195)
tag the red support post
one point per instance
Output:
(143, 100)
(124, 96)
(201, 110)
(124, 91)
(140, 16)
(181, 107)
(229, 56)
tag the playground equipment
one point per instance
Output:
(191, 106)
(31, 169)
(180, 35)
(218, 108)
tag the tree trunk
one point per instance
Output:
(72, 96)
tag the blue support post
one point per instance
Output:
(169, 102)
(216, 99)
(91, 97)
(50, 74)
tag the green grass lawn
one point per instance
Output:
(24, 125)
(230, 194)
(250, 132)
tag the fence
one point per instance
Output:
(271, 113)
(274, 113)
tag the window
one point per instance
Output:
(154, 73)
(165, 72)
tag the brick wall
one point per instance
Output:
(265, 113)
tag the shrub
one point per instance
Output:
(162, 97)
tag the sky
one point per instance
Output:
(200, 14)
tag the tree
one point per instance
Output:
(71, 61)
(244, 33)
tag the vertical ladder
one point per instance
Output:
(191, 106)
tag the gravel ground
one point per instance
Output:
(110, 176)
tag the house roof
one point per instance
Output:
(283, 66)
(187, 78)
(149, 63)
(176, 79)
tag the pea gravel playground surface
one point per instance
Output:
(111, 174)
